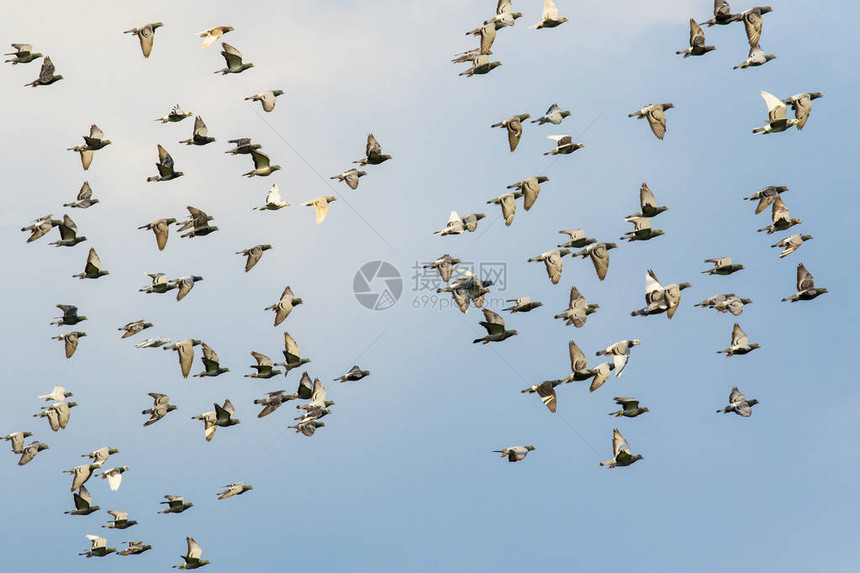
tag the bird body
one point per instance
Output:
(266, 98)
(656, 117)
(515, 453)
(146, 35)
(621, 455)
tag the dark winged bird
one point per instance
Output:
(495, 326)
(647, 204)
(806, 289)
(791, 244)
(445, 266)
(175, 504)
(697, 42)
(722, 266)
(564, 145)
(211, 363)
(738, 404)
(146, 34)
(766, 196)
(68, 233)
(372, 153)
(83, 503)
(46, 74)
(355, 373)
(197, 222)
(165, 167)
(722, 14)
(629, 408)
(262, 164)
(200, 136)
(93, 268)
(70, 315)
(134, 548)
(233, 58)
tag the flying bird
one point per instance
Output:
(522, 304)
(320, 205)
(237, 488)
(254, 255)
(780, 218)
(766, 196)
(514, 127)
(530, 189)
(161, 228)
(656, 117)
(160, 408)
(146, 34)
(791, 244)
(372, 153)
(546, 391)
(350, 177)
(176, 114)
(84, 200)
(801, 104)
(98, 547)
(777, 119)
(738, 404)
(740, 343)
(273, 200)
(553, 261)
(262, 164)
(550, 18)
(200, 135)
(185, 351)
(70, 315)
(481, 65)
(212, 35)
(165, 167)
(620, 353)
(564, 145)
(806, 289)
(599, 253)
(70, 340)
(621, 455)
(578, 309)
(285, 305)
(629, 408)
(554, 115)
(233, 57)
(211, 363)
(647, 204)
(46, 74)
(722, 266)
(756, 57)
(515, 453)
(697, 42)
(495, 326)
(23, 54)
(266, 98)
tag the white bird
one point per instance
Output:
(777, 118)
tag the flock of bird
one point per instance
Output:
(197, 224)
(467, 289)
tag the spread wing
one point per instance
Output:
(646, 197)
(752, 23)
(657, 121)
(739, 337)
(578, 361)
(804, 279)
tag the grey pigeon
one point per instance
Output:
(806, 289)
(738, 404)
(233, 57)
(656, 117)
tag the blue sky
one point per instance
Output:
(402, 476)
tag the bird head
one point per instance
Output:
(815, 95)
(643, 410)
(682, 286)
(530, 448)
(608, 246)
(155, 26)
(113, 451)
(668, 106)
(278, 92)
(265, 247)
(635, 342)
